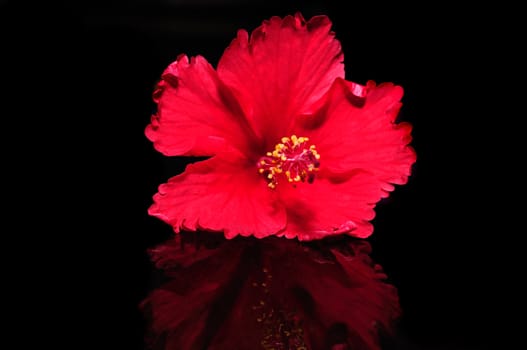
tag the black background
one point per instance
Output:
(89, 69)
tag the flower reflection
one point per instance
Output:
(270, 293)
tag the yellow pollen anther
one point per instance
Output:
(293, 157)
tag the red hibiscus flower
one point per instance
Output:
(294, 149)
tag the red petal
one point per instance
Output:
(329, 207)
(220, 195)
(281, 71)
(197, 115)
(358, 133)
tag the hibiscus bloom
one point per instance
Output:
(293, 149)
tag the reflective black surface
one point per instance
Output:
(434, 236)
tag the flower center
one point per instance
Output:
(293, 160)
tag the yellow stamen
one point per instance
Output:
(293, 157)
